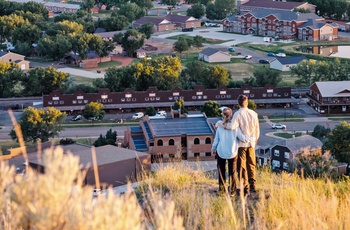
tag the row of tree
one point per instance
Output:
(310, 71)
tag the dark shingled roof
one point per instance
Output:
(291, 60)
(155, 21)
(2, 53)
(179, 18)
(284, 15)
(298, 144)
(178, 126)
(313, 24)
(273, 4)
(104, 154)
(209, 51)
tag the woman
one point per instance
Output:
(225, 147)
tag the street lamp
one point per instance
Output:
(285, 113)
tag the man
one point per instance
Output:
(247, 120)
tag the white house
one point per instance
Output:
(283, 64)
(213, 55)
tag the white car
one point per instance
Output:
(247, 57)
(278, 126)
(281, 55)
(161, 113)
(137, 115)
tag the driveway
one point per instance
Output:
(81, 73)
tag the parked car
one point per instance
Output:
(270, 54)
(161, 113)
(77, 118)
(278, 126)
(137, 115)
(247, 57)
(231, 49)
(264, 61)
(281, 55)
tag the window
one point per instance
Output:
(270, 91)
(86, 101)
(104, 96)
(251, 95)
(196, 141)
(276, 164)
(199, 93)
(246, 91)
(61, 102)
(74, 101)
(286, 155)
(276, 153)
(208, 140)
(129, 95)
(55, 98)
(196, 154)
(194, 97)
(208, 154)
(176, 94)
(285, 165)
(80, 97)
(160, 143)
(171, 142)
(152, 95)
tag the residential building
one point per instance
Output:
(330, 97)
(283, 153)
(251, 5)
(314, 30)
(159, 24)
(281, 24)
(181, 21)
(14, 58)
(108, 36)
(116, 166)
(284, 63)
(57, 7)
(180, 137)
(169, 22)
(212, 55)
(128, 100)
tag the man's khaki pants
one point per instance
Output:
(246, 168)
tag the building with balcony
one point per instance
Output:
(280, 23)
(330, 97)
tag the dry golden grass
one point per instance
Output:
(175, 197)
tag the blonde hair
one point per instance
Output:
(227, 115)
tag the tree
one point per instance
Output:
(54, 47)
(10, 76)
(150, 111)
(27, 33)
(224, 8)
(118, 37)
(251, 105)
(44, 81)
(10, 23)
(114, 23)
(198, 41)
(147, 4)
(339, 142)
(196, 11)
(94, 110)
(314, 165)
(216, 76)
(132, 40)
(87, 5)
(321, 132)
(210, 11)
(131, 11)
(192, 74)
(265, 76)
(181, 45)
(147, 29)
(160, 72)
(40, 124)
(118, 79)
(180, 104)
(109, 139)
(211, 109)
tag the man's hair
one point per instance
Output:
(241, 99)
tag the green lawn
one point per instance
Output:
(109, 64)
(288, 135)
(83, 80)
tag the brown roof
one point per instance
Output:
(273, 4)
(104, 154)
(155, 21)
(179, 18)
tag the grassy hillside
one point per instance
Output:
(175, 197)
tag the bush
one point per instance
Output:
(67, 141)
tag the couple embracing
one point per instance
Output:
(235, 140)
